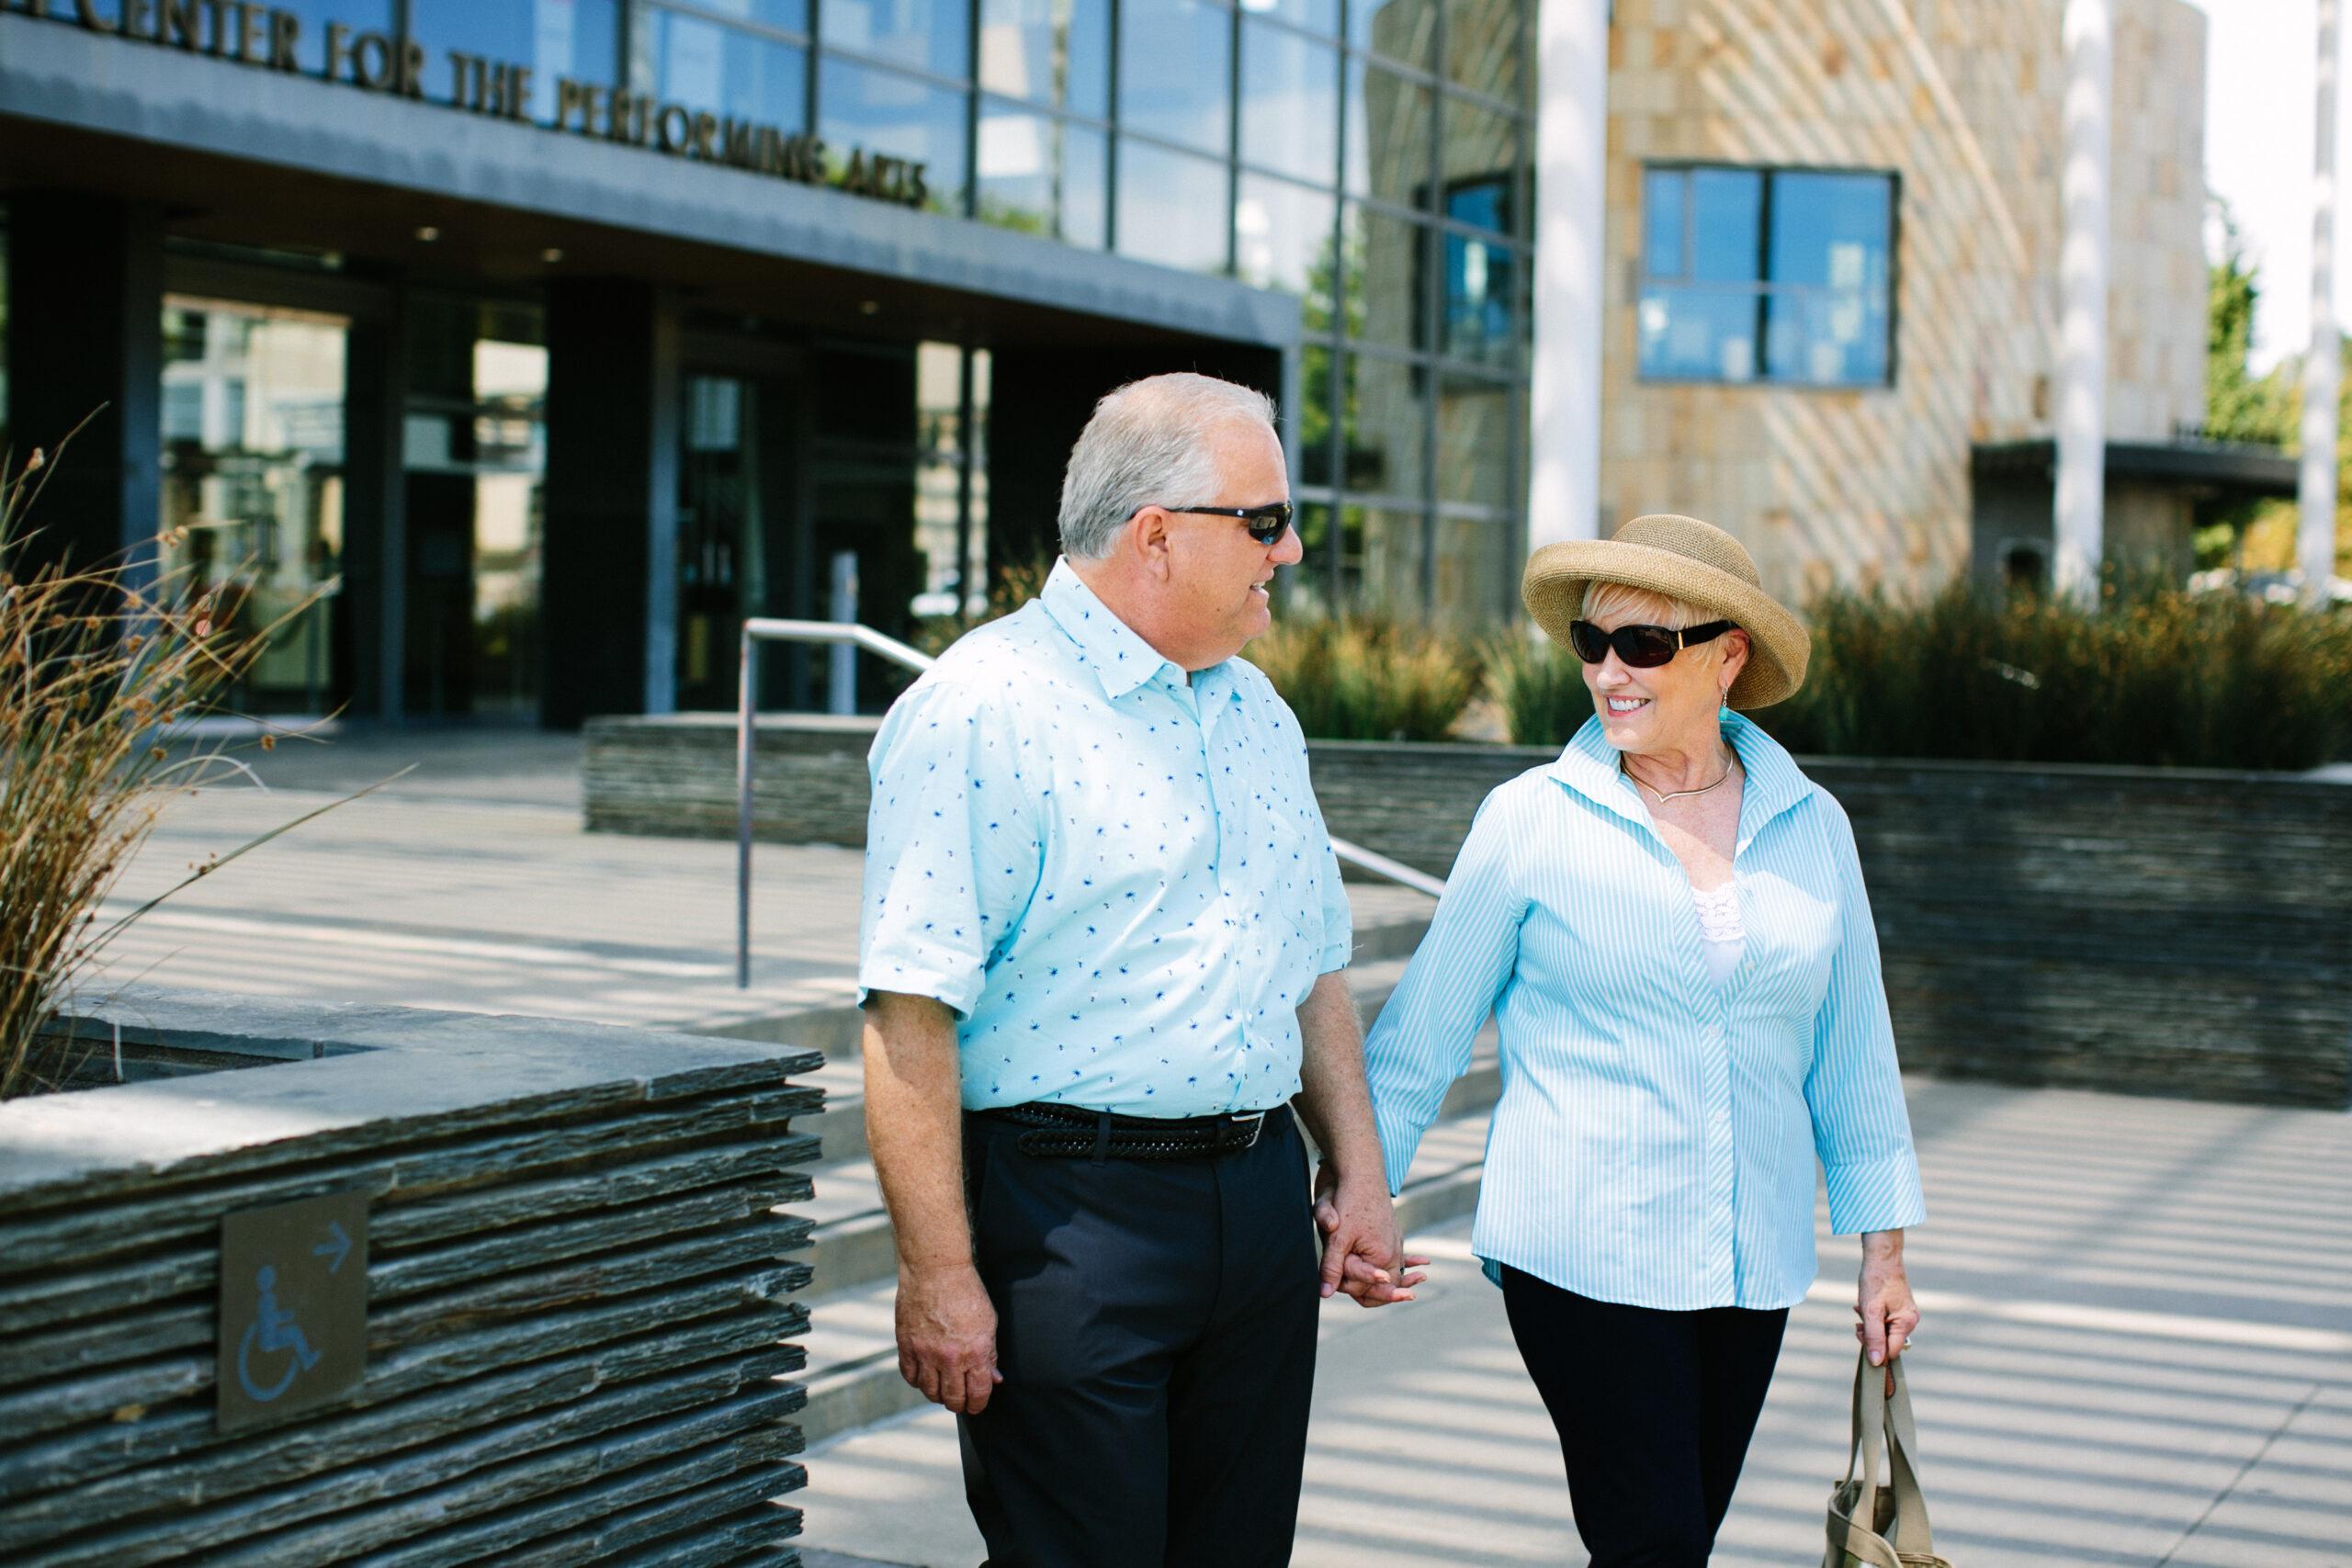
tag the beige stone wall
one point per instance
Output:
(1962, 99)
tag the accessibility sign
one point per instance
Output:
(293, 1307)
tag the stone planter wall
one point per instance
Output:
(578, 1291)
(2151, 930)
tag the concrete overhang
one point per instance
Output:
(2235, 468)
(236, 152)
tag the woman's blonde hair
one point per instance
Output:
(1657, 609)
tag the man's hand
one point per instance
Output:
(947, 1338)
(1363, 1252)
(1882, 1299)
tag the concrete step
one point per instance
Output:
(853, 1378)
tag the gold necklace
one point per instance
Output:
(1663, 796)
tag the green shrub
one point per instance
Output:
(1367, 678)
(2152, 675)
(1537, 685)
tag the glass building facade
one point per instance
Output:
(1368, 156)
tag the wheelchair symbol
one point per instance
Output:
(271, 1332)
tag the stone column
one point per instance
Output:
(609, 587)
(2323, 366)
(2080, 513)
(85, 342)
(1571, 209)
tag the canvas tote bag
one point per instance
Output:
(1874, 1526)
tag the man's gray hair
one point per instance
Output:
(1149, 443)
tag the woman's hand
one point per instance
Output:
(1363, 1252)
(1882, 1298)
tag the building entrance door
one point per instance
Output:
(738, 506)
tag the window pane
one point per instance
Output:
(690, 61)
(1481, 281)
(1387, 136)
(792, 15)
(1171, 207)
(925, 34)
(1474, 586)
(1175, 60)
(310, 43)
(1726, 222)
(1479, 158)
(1049, 52)
(1290, 103)
(1283, 238)
(1401, 29)
(1315, 444)
(1316, 16)
(1393, 574)
(1307, 588)
(1692, 333)
(1832, 233)
(884, 113)
(1043, 175)
(554, 38)
(1473, 457)
(1386, 262)
(1482, 47)
(1384, 426)
(1662, 193)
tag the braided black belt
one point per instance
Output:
(1069, 1131)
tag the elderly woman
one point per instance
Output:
(1668, 926)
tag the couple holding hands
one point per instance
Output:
(1102, 961)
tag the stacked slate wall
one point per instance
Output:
(2151, 930)
(580, 1313)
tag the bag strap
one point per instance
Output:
(1883, 1424)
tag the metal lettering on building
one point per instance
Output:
(293, 1331)
(262, 36)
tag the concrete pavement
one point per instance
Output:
(2137, 1350)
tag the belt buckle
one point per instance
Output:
(1257, 1124)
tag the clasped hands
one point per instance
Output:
(1363, 1249)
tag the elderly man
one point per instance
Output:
(1101, 955)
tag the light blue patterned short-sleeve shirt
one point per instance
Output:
(1117, 876)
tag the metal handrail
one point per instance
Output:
(759, 630)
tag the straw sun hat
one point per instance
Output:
(1682, 558)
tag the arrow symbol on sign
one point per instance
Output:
(336, 1246)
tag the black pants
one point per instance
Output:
(1156, 1328)
(1653, 1411)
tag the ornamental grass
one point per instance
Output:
(2152, 676)
(1367, 677)
(97, 665)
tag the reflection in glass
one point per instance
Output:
(554, 38)
(1055, 52)
(1172, 207)
(1831, 261)
(885, 114)
(1385, 420)
(1043, 175)
(1387, 137)
(1479, 160)
(1290, 103)
(1315, 16)
(1483, 47)
(1475, 585)
(1401, 29)
(313, 15)
(1391, 570)
(1175, 69)
(1481, 281)
(1692, 333)
(1282, 238)
(1474, 429)
(253, 471)
(1315, 443)
(790, 16)
(688, 60)
(1307, 587)
(925, 35)
(1385, 264)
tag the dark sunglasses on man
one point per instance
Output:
(1641, 647)
(1266, 524)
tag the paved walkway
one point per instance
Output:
(468, 882)
(2137, 1349)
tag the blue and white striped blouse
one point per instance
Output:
(1657, 1135)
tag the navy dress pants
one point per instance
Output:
(1654, 1410)
(1156, 1329)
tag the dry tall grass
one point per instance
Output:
(97, 664)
